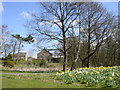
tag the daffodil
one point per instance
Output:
(62, 73)
(113, 74)
(57, 73)
(68, 71)
(91, 73)
(86, 72)
(118, 75)
(69, 75)
(110, 78)
(97, 72)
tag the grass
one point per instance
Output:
(42, 80)
(51, 67)
(8, 71)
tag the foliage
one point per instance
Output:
(39, 63)
(9, 57)
(43, 63)
(22, 61)
(28, 39)
(36, 62)
(56, 60)
(9, 64)
(92, 77)
(21, 40)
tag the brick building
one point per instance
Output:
(44, 55)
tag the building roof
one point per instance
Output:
(44, 50)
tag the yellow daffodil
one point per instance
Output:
(57, 73)
(70, 75)
(62, 73)
(68, 71)
(97, 72)
(110, 78)
(118, 75)
(91, 73)
(86, 72)
(93, 68)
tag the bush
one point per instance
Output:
(51, 66)
(56, 60)
(22, 61)
(9, 64)
(43, 63)
(36, 62)
(39, 63)
(9, 57)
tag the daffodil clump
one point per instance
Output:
(92, 77)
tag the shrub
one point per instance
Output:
(36, 62)
(56, 60)
(9, 57)
(22, 61)
(51, 66)
(43, 63)
(39, 63)
(9, 64)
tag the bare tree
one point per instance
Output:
(79, 29)
(97, 25)
(55, 22)
(14, 47)
(5, 37)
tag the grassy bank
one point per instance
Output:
(43, 80)
(10, 71)
(99, 77)
(52, 67)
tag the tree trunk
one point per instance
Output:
(5, 52)
(64, 62)
(77, 57)
(82, 63)
(78, 52)
(14, 48)
(73, 66)
(64, 46)
(19, 49)
(88, 52)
